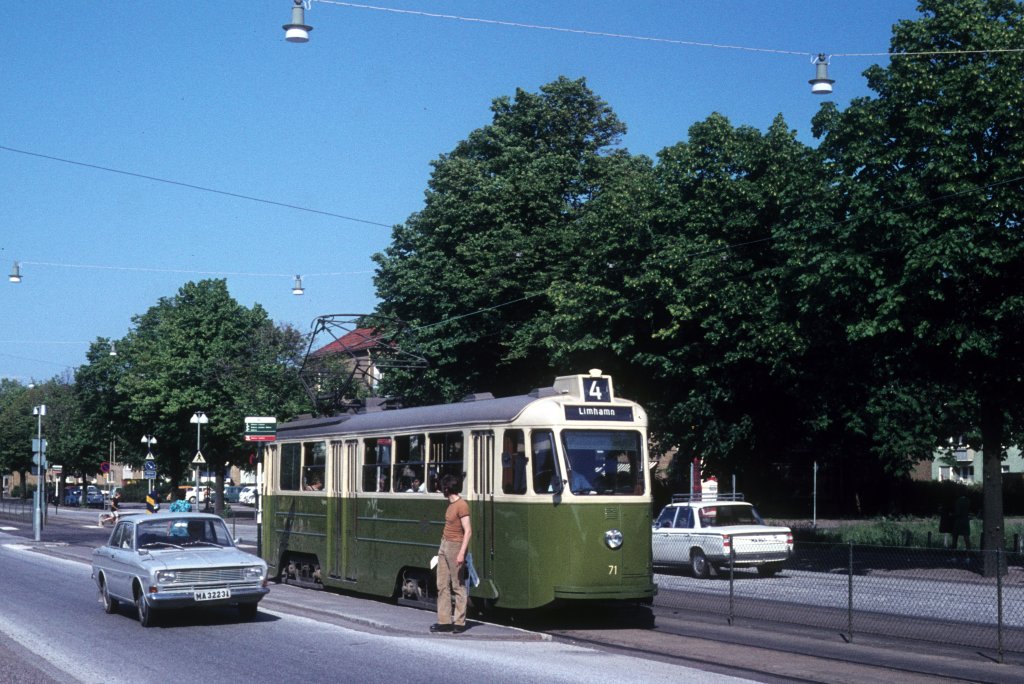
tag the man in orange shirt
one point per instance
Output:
(451, 560)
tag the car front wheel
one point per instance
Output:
(143, 609)
(701, 566)
(109, 603)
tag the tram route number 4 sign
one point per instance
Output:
(260, 429)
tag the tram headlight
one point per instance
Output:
(613, 539)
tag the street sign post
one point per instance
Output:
(260, 429)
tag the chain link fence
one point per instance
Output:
(926, 594)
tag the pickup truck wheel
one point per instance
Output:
(701, 566)
(768, 569)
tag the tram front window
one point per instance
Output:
(604, 461)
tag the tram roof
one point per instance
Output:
(440, 416)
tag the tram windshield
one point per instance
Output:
(604, 461)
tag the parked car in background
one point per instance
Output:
(231, 493)
(712, 534)
(93, 496)
(247, 495)
(190, 494)
(173, 561)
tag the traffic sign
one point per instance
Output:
(260, 429)
(57, 469)
(35, 446)
(149, 470)
(105, 467)
(198, 460)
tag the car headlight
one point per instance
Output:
(613, 539)
(166, 576)
(254, 572)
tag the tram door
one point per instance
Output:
(483, 492)
(348, 509)
(336, 528)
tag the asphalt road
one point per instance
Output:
(688, 643)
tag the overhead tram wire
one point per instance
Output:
(192, 186)
(649, 39)
(224, 274)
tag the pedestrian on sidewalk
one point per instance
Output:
(451, 560)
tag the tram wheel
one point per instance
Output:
(701, 566)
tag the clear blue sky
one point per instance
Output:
(209, 94)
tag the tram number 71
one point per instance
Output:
(613, 569)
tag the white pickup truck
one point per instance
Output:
(712, 533)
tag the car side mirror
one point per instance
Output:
(557, 485)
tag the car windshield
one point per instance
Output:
(735, 514)
(182, 532)
(604, 461)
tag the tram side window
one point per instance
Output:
(313, 466)
(291, 466)
(447, 457)
(377, 464)
(545, 467)
(409, 452)
(513, 462)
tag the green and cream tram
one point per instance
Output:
(557, 483)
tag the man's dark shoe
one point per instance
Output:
(438, 627)
(458, 629)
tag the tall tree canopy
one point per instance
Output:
(199, 350)
(932, 172)
(705, 315)
(16, 427)
(505, 218)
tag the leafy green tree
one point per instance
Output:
(199, 350)
(95, 391)
(932, 176)
(67, 441)
(16, 428)
(505, 218)
(704, 306)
